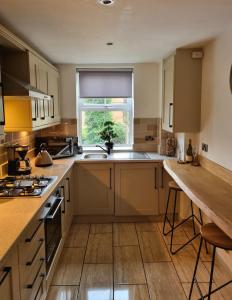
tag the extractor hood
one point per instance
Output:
(16, 87)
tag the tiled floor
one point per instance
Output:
(128, 262)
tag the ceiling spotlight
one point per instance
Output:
(106, 2)
(109, 44)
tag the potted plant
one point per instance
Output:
(108, 134)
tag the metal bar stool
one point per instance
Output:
(175, 188)
(218, 239)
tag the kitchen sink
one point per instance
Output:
(95, 156)
(130, 155)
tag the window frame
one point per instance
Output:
(128, 107)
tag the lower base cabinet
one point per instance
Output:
(94, 189)
(9, 277)
(136, 189)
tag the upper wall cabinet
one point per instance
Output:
(38, 75)
(181, 107)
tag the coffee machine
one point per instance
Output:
(18, 164)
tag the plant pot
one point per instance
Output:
(109, 145)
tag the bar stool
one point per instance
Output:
(176, 189)
(218, 239)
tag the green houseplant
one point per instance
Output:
(108, 134)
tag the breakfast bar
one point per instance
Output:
(209, 192)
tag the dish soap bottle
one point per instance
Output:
(189, 152)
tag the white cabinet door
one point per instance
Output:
(53, 90)
(94, 189)
(136, 189)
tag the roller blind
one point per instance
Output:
(105, 83)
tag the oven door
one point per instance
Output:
(53, 232)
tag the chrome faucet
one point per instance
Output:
(107, 150)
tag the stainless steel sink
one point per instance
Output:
(95, 156)
(130, 155)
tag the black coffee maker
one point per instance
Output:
(18, 164)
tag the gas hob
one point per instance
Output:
(23, 186)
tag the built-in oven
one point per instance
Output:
(53, 227)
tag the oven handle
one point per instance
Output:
(58, 206)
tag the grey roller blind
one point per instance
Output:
(105, 83)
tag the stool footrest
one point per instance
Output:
(182, 246)
(213, 291)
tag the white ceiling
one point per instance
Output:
(76, 31)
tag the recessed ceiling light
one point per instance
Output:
(106, 2)
(109, 44)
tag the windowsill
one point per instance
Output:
(116, 149)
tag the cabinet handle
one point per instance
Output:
(6, 271)
(162, 177)
(53, 107)
(155, 178)
(40, 286)
(43, 118)
(62, 187)
(110, 179)
(69, 194)
(29, 263)
(2, 122)
(30, 286)
(169, 117)
(28, 240)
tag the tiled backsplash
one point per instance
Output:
(148, 136)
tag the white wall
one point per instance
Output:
(146, 89)
(216, 128)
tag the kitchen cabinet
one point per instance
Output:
(54, 92)
(9, 276)
(32, 262)
(136, 189)
(182, 91)
(164, 179)
(94, 189)
(35, 112)
(67, 208)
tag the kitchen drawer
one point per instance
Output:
(30, 268)
(32, 277)
(30, 243)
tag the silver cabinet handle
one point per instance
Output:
(51, 217)
(6, 272)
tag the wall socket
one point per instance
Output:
(204, 147)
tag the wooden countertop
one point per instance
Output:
(210, 193)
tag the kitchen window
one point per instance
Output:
(105, 95)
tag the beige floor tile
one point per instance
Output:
(221, 276)
(131, 292)
(152, 247)
(101, 228)
(77, 235)
(128, 268)
(99, 248)
(179, 236)
(68, 271)
(163, 282)
(62, 293)
(189, 232)
(204, 289)
(184, 262)
(96, 282)
(146, 227)
(125, 234)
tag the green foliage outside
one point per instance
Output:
(94, 124)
